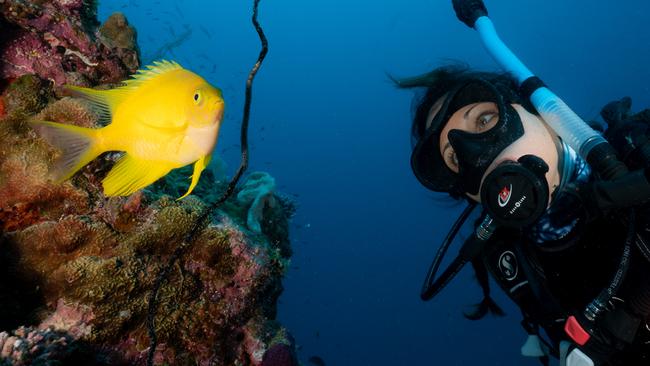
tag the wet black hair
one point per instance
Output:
(441, 80)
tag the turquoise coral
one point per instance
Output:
(257, 193)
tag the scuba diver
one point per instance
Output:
(564, 222)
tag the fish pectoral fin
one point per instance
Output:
(131, 174)
(167, 126)
(199, 166)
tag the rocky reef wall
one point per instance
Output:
(76, 267)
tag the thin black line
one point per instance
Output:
(202, 221)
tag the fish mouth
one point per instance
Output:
(219, 107)
(218, 116)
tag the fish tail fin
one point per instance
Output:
(77, 144)
(131, 174)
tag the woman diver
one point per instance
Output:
(564, 223)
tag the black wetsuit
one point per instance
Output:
(554, 278)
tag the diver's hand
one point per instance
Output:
(628, 134)
(601, 197)
(468, 11)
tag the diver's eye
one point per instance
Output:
(486, 120)
(197, 97)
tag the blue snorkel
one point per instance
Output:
(617, 189)
(567, 124)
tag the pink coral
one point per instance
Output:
(49, 39)
(27, 346)
(74, 319)
(280, 355)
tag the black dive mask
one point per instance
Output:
(476, 151)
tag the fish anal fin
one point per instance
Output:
(131, 174)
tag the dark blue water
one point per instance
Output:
(333, 130)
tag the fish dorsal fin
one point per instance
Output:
(144, 75)
(104, 102)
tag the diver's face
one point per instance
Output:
(480, 117)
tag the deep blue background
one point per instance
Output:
(334, 131)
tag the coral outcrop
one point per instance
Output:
(77, 267)
(59, 41)
(77, 262)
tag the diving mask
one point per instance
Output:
(474, 152)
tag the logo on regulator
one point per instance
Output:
(504, 195)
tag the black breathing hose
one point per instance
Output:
(432, 285)
(601, 302)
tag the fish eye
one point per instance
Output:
(197, 97)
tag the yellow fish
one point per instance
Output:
(164, 118)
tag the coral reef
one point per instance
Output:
(78, 267)
(28, 346)
(121, 38)
(58, 41)
(281, 353)
(89, 262)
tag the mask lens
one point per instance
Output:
(475, 118)
(435, 157)
(482, 127)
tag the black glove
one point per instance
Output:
(601, 197)
(628, 134)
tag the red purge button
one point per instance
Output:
(575, 331)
